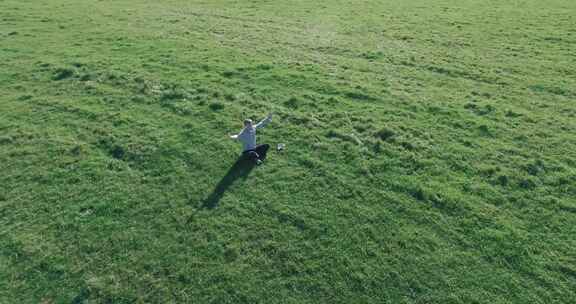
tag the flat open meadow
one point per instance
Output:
(430, 151)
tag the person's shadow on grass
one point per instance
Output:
(240, 169)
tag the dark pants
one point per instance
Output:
(258, 153)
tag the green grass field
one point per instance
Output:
(430, 151)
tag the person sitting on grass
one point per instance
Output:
(253, 152)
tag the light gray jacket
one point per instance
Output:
(248, 135)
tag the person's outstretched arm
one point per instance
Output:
(237, 136)
(264, 122)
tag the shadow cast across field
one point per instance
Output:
(240, 169)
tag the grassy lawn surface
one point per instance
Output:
(430, 151)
